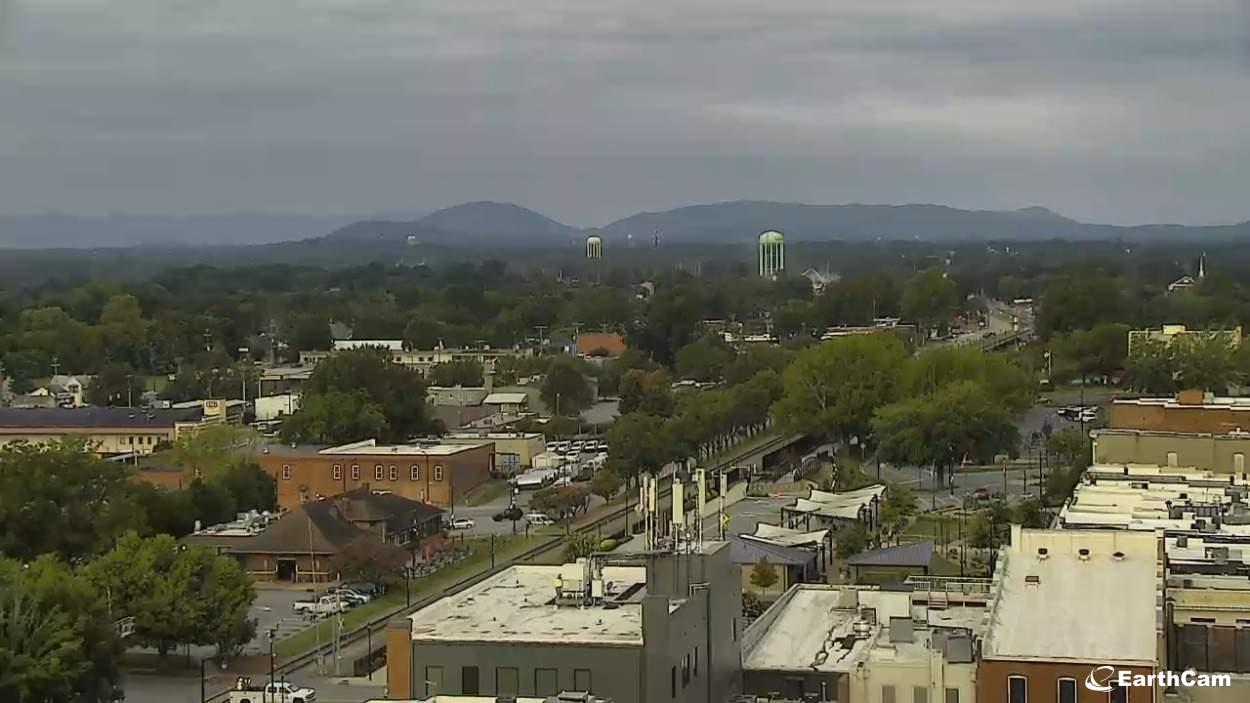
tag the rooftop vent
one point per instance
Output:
(1043, 553)
(1118, 556)
(1033, 580)
(1082, 554)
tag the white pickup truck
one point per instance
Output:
(325, 605)
(275, 692)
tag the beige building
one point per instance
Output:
(108, 431)
(867, 645)
(1173, 333)
(1067, 601)
(1222, 453)
(513, 450)
(1188, 411)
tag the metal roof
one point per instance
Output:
(93, 417)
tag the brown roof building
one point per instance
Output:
(439, 474)
(610, 344)
(300, 545)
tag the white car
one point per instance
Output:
(539, 519)
(462, 523)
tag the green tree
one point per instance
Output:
(116, 384)
(763, 575)
(565, 389)
(1030, 513)
(464, 372)
(370, 559)
(392, 389)
(1100, 351)
(851, 541)
(959, 422)
(793, 318)
(605, 484)
(579, 545)
(647, 392)
(211, 450)
(59, 499)
(1207, 361)
(1151, 367)
(833, 389)
(930, 300)
(704, 360)
(639, 445)
(336, 418)
(1069, 447)
(57, 641)
(1001, 377)
(897, 510)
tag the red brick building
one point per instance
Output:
(438, 474)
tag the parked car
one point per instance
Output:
(352, 597)
(512, 513)
(325, 605)
(539, 519)
(462, 523)
(274, 692)
(372, 590)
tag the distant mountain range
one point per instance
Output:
(505, 224)
(58, 230)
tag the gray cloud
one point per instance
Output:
(1109, 110)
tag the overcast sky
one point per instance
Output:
(1119, 111)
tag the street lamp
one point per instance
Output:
(272, 663)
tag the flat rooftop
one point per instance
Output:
(1099, 610)
(518, 605)
(96, 418)
(1213, 403)
(794, 641)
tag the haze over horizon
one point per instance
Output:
(1105, 111)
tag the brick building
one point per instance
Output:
(301, 544)
(1067, 602)
(439, 474)
(1189, 411)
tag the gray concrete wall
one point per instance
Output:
(615, 672)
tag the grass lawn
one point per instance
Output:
(487, 492)
(505, 548)
(940, 527)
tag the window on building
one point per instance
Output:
(696, 662)
(286, 472)
(433, 680)
(920, 694)
(1119, 694)
(546, 682)
(685, 671)
(1017, 689)
(507, 681)
(672, 683)
(1067, 690)
(952, 695)
(438, 473)
(1239, 463)
(469, 680)
(394, 473)
(379, 472)
(581, 680)
(416, 473)
(887, 694)
(1172, 459)
(338, 472)
(355, 472)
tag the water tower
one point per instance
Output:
(772, 254)
(594, 247)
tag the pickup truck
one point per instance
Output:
(325, 605)
(275, 692)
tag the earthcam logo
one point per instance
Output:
(1105, 679)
